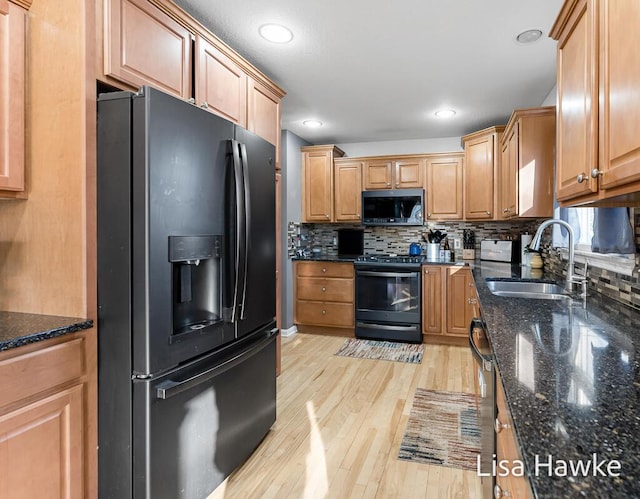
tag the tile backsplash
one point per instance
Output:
(320, 239)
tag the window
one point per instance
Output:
(581, 219)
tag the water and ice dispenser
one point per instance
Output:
(197, 282)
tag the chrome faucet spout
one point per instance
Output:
(535, 245)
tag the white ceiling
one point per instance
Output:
(376, 70)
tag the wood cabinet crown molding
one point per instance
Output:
(196, 27)
(525, 112)
(498, 129)
(567, 10)
(26, 4)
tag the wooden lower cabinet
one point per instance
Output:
(449, 302)
(45, 413)
(324, 297)
(513, 486)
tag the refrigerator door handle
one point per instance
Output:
(247, 226)
(170, 388)
(239, 208)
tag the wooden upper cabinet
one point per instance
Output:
(598, 138)
(408, 173)
(507, 208)
(264, 112)
(347, 190)
(144, 46)
(13, 39)
(317, 182)
(378, 174)
(619, 158)
(527, 164)
(444, 187)
(220, 84)
(393, 173)
(577, 135)
(481, 167)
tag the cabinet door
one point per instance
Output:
(348, 191)
(577, 124)
(41, 452)
(264, 113)
(12, 98)
(378, 175)
(508, 175)
(479, 176)
(459, 308)
(431, 299)
(619, 93)
(317, 192)
(220, 84)
(144, 46)
(408, 174)
(444, 188)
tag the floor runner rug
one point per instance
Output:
(382, 350)
(442, 429)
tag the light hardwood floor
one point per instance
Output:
(339, 426)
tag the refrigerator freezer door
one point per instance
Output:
(258, 303)
(194, 426)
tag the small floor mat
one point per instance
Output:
(382, 350)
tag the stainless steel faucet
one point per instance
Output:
(572, 277)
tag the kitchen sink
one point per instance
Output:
(528, 289)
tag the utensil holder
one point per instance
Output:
(433, 251)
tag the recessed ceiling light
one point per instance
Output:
(275, 33)
(529, 36)
(312, 123)
(445, 113)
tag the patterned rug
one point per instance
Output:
(382, 350)
(442, 429)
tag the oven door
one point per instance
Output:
(388, 295)
(485, 380)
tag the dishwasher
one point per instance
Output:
(485, 381)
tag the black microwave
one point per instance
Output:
(393, 207)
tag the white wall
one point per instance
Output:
(552, 98)
(390, 147)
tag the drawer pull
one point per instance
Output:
(324, 270)
(498, 426)
(324, 289)
(324, 312)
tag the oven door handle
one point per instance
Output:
(386, 327)
(372, 273)
(485, 362)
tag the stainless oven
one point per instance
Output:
(485, 380)
(388, 298)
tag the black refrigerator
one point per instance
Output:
(186, 296)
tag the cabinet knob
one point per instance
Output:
(388, 184)
(428, 215)
(498, 426)
(426, 271)
(205, 105)
(489, 213)
(498, 493)
(581, 178)
(595, 173)
(324, 289)
(324, 312)
(506, 210)
(324, 270)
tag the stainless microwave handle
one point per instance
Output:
(372, 273)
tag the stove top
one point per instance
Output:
(374, 258)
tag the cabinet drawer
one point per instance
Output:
(324, 269)
(324, 314)
(25, 375)
(318, 289)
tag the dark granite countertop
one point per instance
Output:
(324, 258)
(571, 374)
(18, 329)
